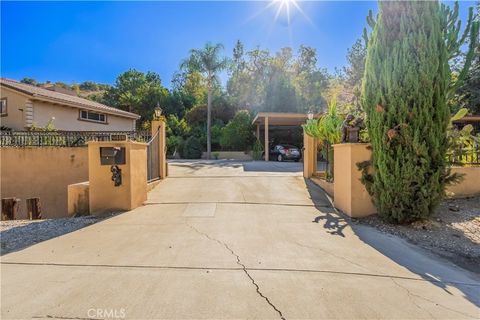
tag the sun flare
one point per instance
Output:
(286, 8)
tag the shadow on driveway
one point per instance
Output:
(428, 266)
(25, 233)
(271, 166)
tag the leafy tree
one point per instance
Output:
(468, 93)
(354, 71)
(222, 111)
(222, 108)
(356, 63)
(137, 92)
(257, 77)
(196, 115)
(238, 133)
(178, 103)
(176, 131)
(62, 85)
(208, 62)
(29, 81)
(192, 84)
(281, 95)
(404, 95)
(192, 148)
(89, 86)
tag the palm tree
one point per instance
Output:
(208, 62)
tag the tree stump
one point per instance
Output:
(33, 209)
(9, 208)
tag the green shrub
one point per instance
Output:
(238, 133)
(174, 143)
(404, 96)
(192, 148)
(257, 150)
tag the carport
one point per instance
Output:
(265, 120)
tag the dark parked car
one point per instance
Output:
(281, 152)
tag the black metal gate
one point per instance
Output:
(153, 158)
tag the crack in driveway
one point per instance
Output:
(331, 254)
(411, 295)
(244, 269)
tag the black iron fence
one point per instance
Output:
(153, 158)
(464, 156)
(66, 138)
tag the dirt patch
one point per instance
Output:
(19, 234)
(453, 232)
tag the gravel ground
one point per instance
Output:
(19, 234)
(453, 232)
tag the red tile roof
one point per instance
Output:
(65, 99)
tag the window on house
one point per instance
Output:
(93, 116)
(3, 106)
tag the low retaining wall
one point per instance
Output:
(470, 184)
(43, 172)
(328, 187)
(229, 155)
(350, 194)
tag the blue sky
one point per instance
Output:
(78, 41)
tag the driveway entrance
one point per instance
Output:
(226, 240)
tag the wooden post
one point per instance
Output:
(34, 209)
(267, 145)
(9, 208)
(258, 131)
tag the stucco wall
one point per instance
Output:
(104, 195)
(15, 107)
(470, 184)
(42, 172)
(350, 194)
(328, 187)
(67, 118)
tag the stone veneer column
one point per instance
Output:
(28, 114)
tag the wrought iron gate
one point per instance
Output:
(153, 158)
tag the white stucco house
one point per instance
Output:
(23, 106)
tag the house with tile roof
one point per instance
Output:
(23, 106)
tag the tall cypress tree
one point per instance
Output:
(404, 96)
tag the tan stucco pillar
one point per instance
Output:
(350, 194)
(267, 144)
(159, 125)
(104, 196)
(309, 155)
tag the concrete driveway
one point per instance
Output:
(233, 240)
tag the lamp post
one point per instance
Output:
(158, 112)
